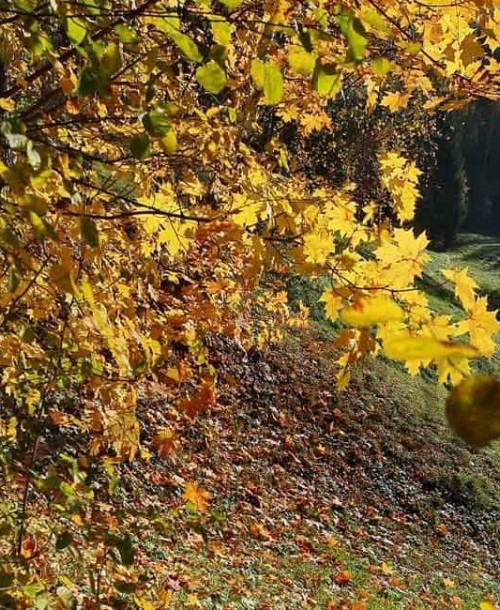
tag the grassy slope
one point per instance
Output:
(364, 500)
(309, 485)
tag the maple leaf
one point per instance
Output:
(166, 441)
(404, 258)
(481, 326)
(200, 402)
(289, 113)
(376, 309)
(315, 122)
(317, 247)
(465, 286)
(395, 101)
(333, 304)
(197, 497)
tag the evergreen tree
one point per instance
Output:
(445, 203)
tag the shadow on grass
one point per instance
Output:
(494, 298)
(429, 284)
(487, 254)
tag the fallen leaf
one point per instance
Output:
(342, 578)
(198, 497)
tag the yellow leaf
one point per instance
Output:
(486, 605)
(403, 259)
(192, 601)
(62, 277)
(395, 101)
(376, 309)
(404, 346)
(465, 286)
(6, 104)
(300, 60)
(317, 247)
(197, 496)
(481, 326)
(387, 569)
(333, 304)
(144, 604)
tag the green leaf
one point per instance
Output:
(273, 83)
(111, 60)
(382, 66)
(9, 238)
(124, 547)
(89, 232)
(232, 4)
(88, 82)
(34, 158)
(169, 142)
(413, 48)
(353, 30)
(187, 46)
(140, 146)
(373, 18)
(38, 225)
(221, 31)
(211, 77)
(37, 42)
(326, 80)
(43, 601)
(257, 73)
(6, 579)
(13, 279)
(473, 410)
(126, 34)
(76, 30)
(322, 17)
(27, 334)
(33, 589)
(16, 141)
(300, 60)
(156, 123)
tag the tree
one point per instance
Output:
(142, 203)
(482, 154)
(443, 210)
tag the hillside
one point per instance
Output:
(307, 498)
(363, 500)
(321, 500)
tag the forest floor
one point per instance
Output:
(323, 500)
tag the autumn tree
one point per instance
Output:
(141, 205)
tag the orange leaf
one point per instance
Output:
(342, 578)
(166, 442)
(200, 402)
(197, 496)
